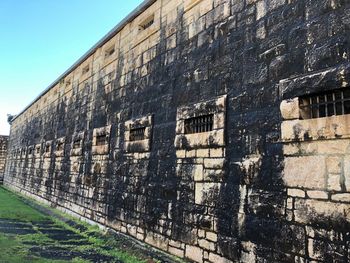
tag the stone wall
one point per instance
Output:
(3, 152)
(184, 130)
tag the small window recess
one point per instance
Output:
(47, 148)
(148, 22)
(137, 134)
(101, 139)
(38, 150)
(30, 152)
(327, 104)
(199, 124)
(109, 52)
(60, 146)
(76, 144)
(85, 70)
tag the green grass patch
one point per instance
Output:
(16, 248)
(11, 207)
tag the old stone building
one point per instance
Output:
(3, 152)
(216, 130)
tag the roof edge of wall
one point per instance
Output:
(137, 11)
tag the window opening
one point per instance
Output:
(199, 124)
(137, 134)
(326, 104)
(101, 139)
(76, 144)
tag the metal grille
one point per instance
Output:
(148, 24)
(76, 144)
(137, 134)
(327, 104)
(199, 124)
(101, 139)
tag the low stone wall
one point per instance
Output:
(3, 155)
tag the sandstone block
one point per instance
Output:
(206, 193)
(314, 129)
(156, 240)
(317, 194)
(218, 259)
(309, 210)
(261, 9)
(212, 236)
(176, 251)
(305, 172)
(206, 244)
(176, 244)
(333, 182)
(203, 153)
(217, 153)
(216, 163)
(180, 153)
(198, 172)
(334, 165)
(194, 253)
(290, 109)
(296, 193)
(341, 197)
(347, 173)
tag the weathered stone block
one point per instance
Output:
(296, 193)
(176, 251)
(317, 194)
(341, 197)
(206, 193)
(333, 182)
(296, 174)
(207, 245)
(307, 211)
(216, 163)
(334, 165)
(290, 109)
(194, 253)
(218, 259)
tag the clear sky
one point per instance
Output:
(40, 39)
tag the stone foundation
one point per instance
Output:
(3, 153)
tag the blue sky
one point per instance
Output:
(40, 39)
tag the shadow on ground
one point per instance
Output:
(30, 232)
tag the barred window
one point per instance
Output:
(137, 134)
(101, 139)
(147, 22)
(325, 104)
(199, 124)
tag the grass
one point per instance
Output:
(16, 247)
(11, 207)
